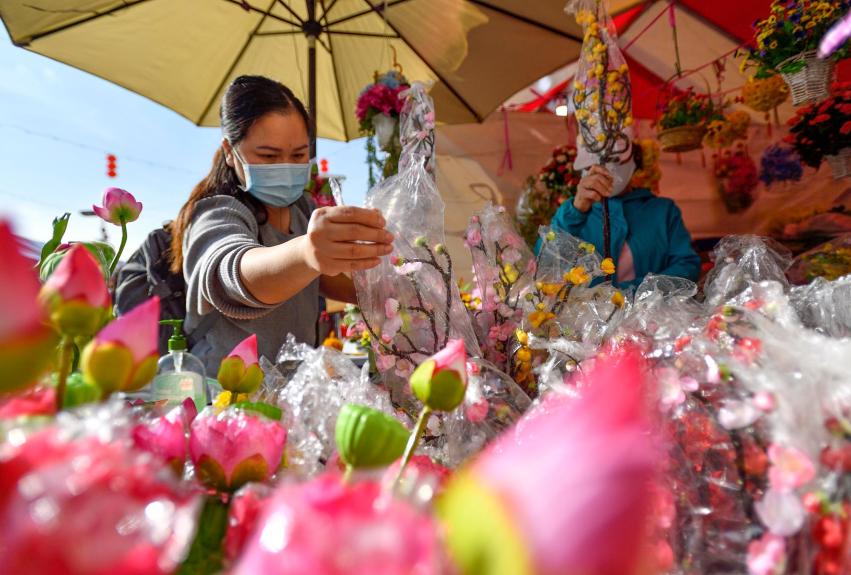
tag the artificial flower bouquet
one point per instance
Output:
(683, 120)
(731, 127)
(736, 179)
(831, 260)
(378, 108)
(320, 188)
(823, 131)
(780, 163)
(786, 42)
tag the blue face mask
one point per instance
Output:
(278, 185)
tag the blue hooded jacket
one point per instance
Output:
(652, 226)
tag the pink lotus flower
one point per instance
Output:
(26, 343)
(552, 506)
(166, 436)
(767, 555)
(234, 447)
(119, 206)
(76, 294)
(790, 468)
(240, 371)
(245, 509)
(87, 506)
(36, 401)
(331, 528)
(123, 356)
(441, 381)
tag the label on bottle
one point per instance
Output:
(175, 387)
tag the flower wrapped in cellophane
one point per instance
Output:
(602, 94)
(504, 269)
(410, 303)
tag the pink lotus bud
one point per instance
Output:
(441, 381)
(123, 356)
(26, 343)
(166, 436)
(118, 206)
(328, 527)
(76, 294)
(233, 447)
(549, 504)
(240, 371)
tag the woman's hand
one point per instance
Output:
(344, 238)
(592, 188)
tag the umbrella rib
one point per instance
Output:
(290, 10)
(525, 19)
(70, 25)
(250, 8)
(362, 34)
(376, 9)
(233, 65)
(432, 68)
(325, 10)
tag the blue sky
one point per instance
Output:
(57, 124)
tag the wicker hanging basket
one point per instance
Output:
(812, 82)
(840, 164)
(681, 138)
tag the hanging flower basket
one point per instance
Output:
(682, 138)
(808, 77)
(840, 164)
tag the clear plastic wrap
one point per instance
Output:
(824, 306)
(324, 382)
(602, 95)
(78, 498)
(410, 302)
(741, 260)
(504, 268)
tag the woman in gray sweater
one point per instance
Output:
(255, 252)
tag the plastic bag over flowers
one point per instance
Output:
(410, 302)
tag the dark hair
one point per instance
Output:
(638, 156)
(246, 100)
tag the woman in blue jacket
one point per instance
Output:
(647, 232)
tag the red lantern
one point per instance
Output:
(111, 166)
(323, 166)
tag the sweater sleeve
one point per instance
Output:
(222, 230)
(682, 261)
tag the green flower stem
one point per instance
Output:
(233, 396)
(206, 554)
(347, 475)
(413, 441)
(66, 356)
(120, 247)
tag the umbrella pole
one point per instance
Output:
(311, 72)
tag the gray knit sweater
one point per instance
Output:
(222, 229)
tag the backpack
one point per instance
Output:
(148, 273)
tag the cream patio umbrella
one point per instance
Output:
(184, 53)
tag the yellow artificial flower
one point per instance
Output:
(608, 266)
(577, 276)
(523, 354)
(224, 399)
(811, 24)
(511, 273)
(579, 86)
(521, 336)
(617, 299)
(628, 122)
(550, 288)
(588, 248)
(551, 235)
(536, 318)
(599, 70)
(579, 97)
(601, 137)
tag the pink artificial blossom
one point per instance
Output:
(246, 350)
(511, 256)
(477, 412)
(474, 237)
(394, 320)
(36, 401)
(119, 206)
(78, 278)
(137, 330)
(19, 308)
(235, 446)
(603, 461)
(328, 527)
(166, 436)
(767, 555)
(409, 268)
(420, 467)
(790, 468)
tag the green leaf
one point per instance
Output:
(60, 224)
(102, 251)
(266, 409)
